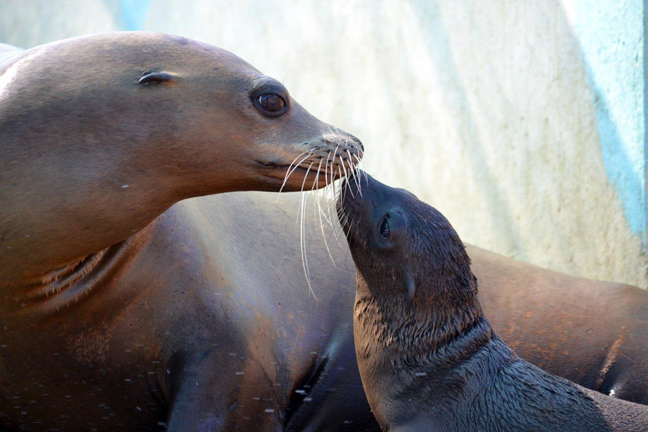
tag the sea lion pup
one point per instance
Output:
(428, 357)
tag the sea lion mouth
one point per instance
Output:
(306, 174)
(323, 161)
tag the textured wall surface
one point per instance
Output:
(523, 121)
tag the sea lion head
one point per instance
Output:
(404, 250)
(125, 104)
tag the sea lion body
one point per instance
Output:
(189, 324)
(428, 357)
(114, 299)
(591, 332)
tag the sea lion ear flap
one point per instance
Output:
(410, 286)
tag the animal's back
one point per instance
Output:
(523, 397)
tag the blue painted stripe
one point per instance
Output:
(134, 13)
(611, 38)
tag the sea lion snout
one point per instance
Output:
(311, 164)
(367, 207)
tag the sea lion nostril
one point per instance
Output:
(357, 143)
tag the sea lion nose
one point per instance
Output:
(358, 144)
(345, 144)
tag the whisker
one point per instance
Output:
(289, 172)
(302, 245)
(355, 173)
(306, 175)
(323, 193)
(333, 163)
(300, 162)
(320, 212)
(319, 168)
(304, 182)
(302, 235)
(346, 175)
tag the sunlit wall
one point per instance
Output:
(523, 121)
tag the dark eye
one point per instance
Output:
(156, 77)
(271, 104)
(384, 230)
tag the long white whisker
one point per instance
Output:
(289, 172)
(300, 162)
(320, 212)
(303, 248)
(333, 163)
(304, 182)
(302, 236)
(346, 175)
(341, 229)
(326, 169)
(355, 173)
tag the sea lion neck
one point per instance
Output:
(420, 332)
(413, 348)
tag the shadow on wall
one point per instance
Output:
(443, 61)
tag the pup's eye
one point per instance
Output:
(384, 230)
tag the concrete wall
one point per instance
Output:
(524, 121)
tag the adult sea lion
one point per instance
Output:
(110, 322)
(203, 317)
(428, 357)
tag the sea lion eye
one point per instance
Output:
(384, 229)
(156, 78)
(271, 104)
